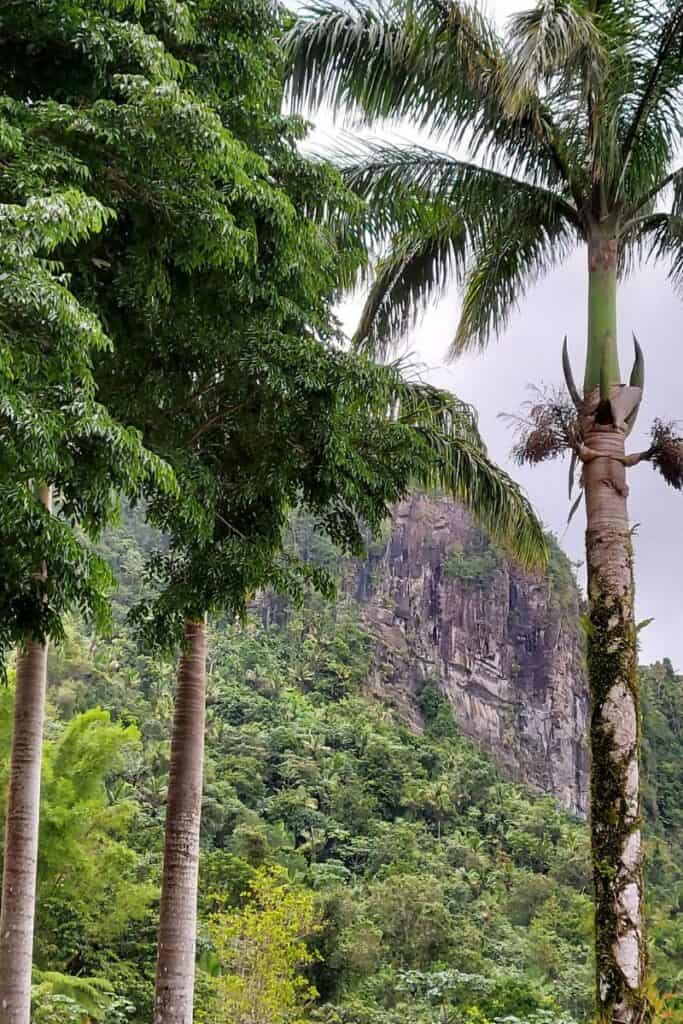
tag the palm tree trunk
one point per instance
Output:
(174, 991)
(17, 913)
(621, 951)
(615, 739)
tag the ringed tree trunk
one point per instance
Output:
(17, 912)
(174, 989)
(621, 951)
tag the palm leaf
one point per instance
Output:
(438, 63)
(420, 264)
(460, 466)
(492, 498)
(376, 170)
(658, 236)
(453, 208)
(548, 40)
(645, 201)
(660, 38)
(502, 269)
(354, 55)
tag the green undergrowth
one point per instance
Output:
(472, 565)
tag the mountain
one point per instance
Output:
(504, 647)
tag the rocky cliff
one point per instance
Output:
(503, 646)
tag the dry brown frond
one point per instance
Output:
(666, 452)
(549, 428)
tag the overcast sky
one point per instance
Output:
(529, 353)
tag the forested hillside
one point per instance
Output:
(504, 645)
(354, 870)
(172, 261)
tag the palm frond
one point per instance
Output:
(549, 40)
(645, 173)
(645, 202)
(566, 51)
(347, 54)
(658, 236)
(650, 97)
(419, 266)
(660, 40)
(502, 270)
(375, 170)
(493, 499)
(415, 401)
(455, 208)
(461, 467)
(438, 63)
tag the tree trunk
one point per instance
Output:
(621, 951)
(17, 912)
(174, 991)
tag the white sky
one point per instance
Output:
(529, 353)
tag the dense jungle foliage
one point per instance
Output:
(353, 872)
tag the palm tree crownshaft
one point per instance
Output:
(602, 358)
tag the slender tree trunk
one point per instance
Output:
(174, 992)
(621, 951)
(17, 913)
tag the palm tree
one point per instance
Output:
(571, 123)
(174, 989)
(17, 913)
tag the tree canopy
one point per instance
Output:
(217, 254)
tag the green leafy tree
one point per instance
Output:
(57, 442)
(571, 126)
(224, 359)
(215, 285)
(262, 951)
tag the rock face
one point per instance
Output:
(503, 646)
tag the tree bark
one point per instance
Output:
(621, 949)
(174, 991)
(17, 913)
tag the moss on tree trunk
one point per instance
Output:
(621, 949)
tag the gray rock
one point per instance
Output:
(505, 651)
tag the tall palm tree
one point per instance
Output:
(174, 989)
(571, 123)
(17, 913)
